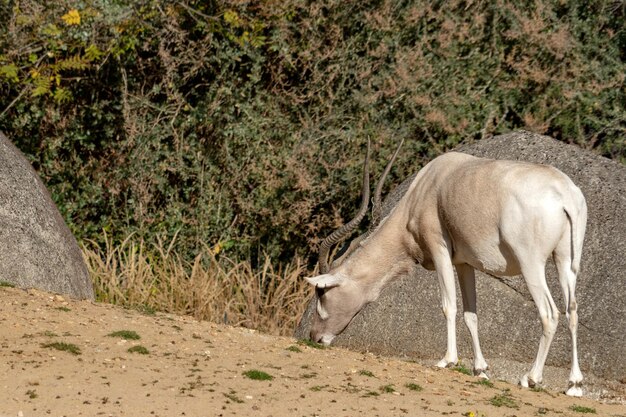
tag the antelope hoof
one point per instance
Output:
(444, 363)
(480, 373)
(527, 382)
(575, 389)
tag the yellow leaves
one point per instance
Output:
(232, 18)
(222, 246)
(244, 31)
(71, 18)
(217, 248)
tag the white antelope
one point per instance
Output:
(465, 213)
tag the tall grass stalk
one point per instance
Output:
(133, 274)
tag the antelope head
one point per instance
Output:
(339, 294)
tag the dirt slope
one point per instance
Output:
(197, 369)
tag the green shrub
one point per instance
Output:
(258, 375)
(460, 367)
(142, 350)
(125, 334)
(241, 126)
(503, 400)
(583, 409)
(414, 387)
(62, 346)
(311, 344)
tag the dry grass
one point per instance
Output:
(221, 290)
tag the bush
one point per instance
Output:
(241, 125)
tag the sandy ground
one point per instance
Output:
(197, 369)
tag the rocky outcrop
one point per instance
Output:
(37, 250)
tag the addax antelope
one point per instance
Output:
(464, 213)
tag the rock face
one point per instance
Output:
(407, 320)
(37, 250)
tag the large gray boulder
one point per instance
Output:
(37, 250)
(407, 320)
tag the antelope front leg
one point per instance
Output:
(447, 290)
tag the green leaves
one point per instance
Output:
(10, 72)
(92, 53)
(242, 126)
(41, 85)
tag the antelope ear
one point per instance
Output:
(325, 281)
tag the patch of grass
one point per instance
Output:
(232, 395)
(63, 308)
(62, 346)
(387, 389)
(125, 334)
(308, 376)
(537, 388)
(582, 409)
(7, 284)
(318, 388)
(311, 344)
(366, 373)
(48, 333)
(258, 375)
(139, 349)
(32, 394)
(414, 387)
(371, 394)
(462, 369)
(483, 382)
(269, 298)
(503, 400)
(294, 348)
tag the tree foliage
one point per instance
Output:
(241, 125)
